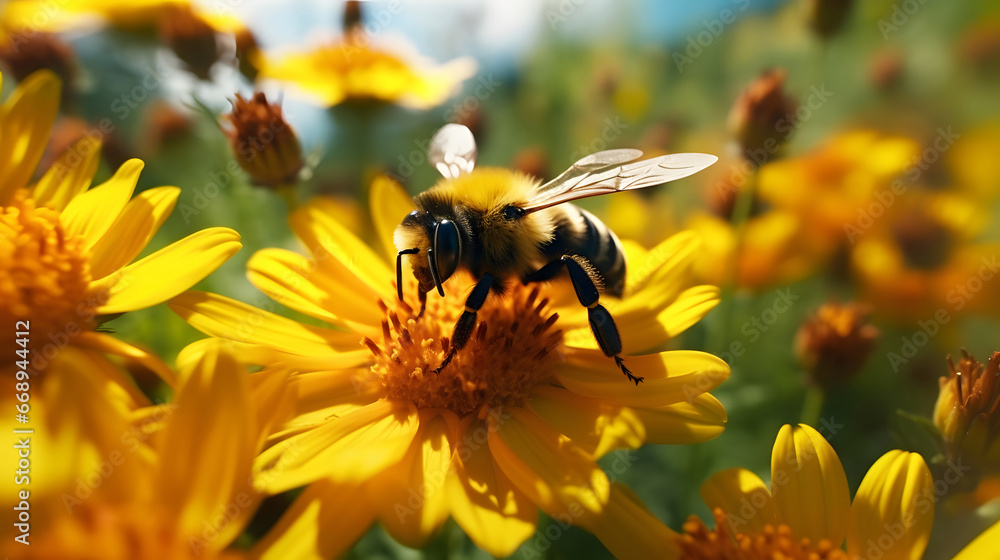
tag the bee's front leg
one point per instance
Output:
(467, 322)
(601, 323)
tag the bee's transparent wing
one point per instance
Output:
(453, 151)
(615, 170)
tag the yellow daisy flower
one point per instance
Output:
(67, 14)
(808, 512)
(162, 482)
(984, 546)
(65, 251)
(515, 423)
(354, 70)
(921, 259)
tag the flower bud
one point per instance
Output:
(834, 343)
(263, 142)
(26, 51)
(967, 412)
(755, 117)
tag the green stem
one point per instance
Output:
(741, 215)
(812, 406)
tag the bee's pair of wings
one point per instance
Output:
(453, 153)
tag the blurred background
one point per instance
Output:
(858, 146)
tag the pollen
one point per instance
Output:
(511, 350)
(44, 272)
(699, 543)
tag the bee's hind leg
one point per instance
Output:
(467, 322)
(601, 323)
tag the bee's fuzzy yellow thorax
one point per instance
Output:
(486, 192)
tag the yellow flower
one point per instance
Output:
(162, 482)
(65, 250)
(67, 14)
(808, 511)
(353, 70)
(515, 423)
(834, 343)
(828, 188)
(772, 251)
(984, 546)
(967, 412)
(920, 259)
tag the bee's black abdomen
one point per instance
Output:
(579, 232)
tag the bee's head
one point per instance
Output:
(436, 246)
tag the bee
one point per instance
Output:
(501, 225)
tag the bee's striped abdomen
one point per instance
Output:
(579, 232)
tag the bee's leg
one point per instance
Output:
(423, 303)
(399, 269)
(467, 322)
(601, 323)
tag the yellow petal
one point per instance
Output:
(702, 419)
(484, 502)
(642, 332)
(554, 472)
(595, 425)
(292, 280)
(743, 497)
(111, 345)
(25, 121)
(132, 231)
(323, 522)
(642, 271)
(983, 546)
(629, 530)
(338, 250)
(223, 317)
(809, 486)
(411, 494)
(69, 175)
(169, 271)
(389, 205)
(211, 427)
(91, 214)
(893, 510)
(352, 448)
(670, 377)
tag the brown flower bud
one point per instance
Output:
(164, 124)
(352, 16)
(263, 142)
(827, 16)
(967, 412)
(27, 51)
(834, 343)
(191, 38)
(532, 161)
(755, 117)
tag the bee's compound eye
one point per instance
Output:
(447, 248)
(513, 212)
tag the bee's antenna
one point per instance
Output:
(399, 269)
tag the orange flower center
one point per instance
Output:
(44, 273)
(699, 543)
(510, 351)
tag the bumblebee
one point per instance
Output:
(501, 225)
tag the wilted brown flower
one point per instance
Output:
(763, 117)
(967, 412)
(191, 38)
(28, 51)
(925, 242)
(834, 343)
(827, 16)
(263, 142)
(885, 70)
